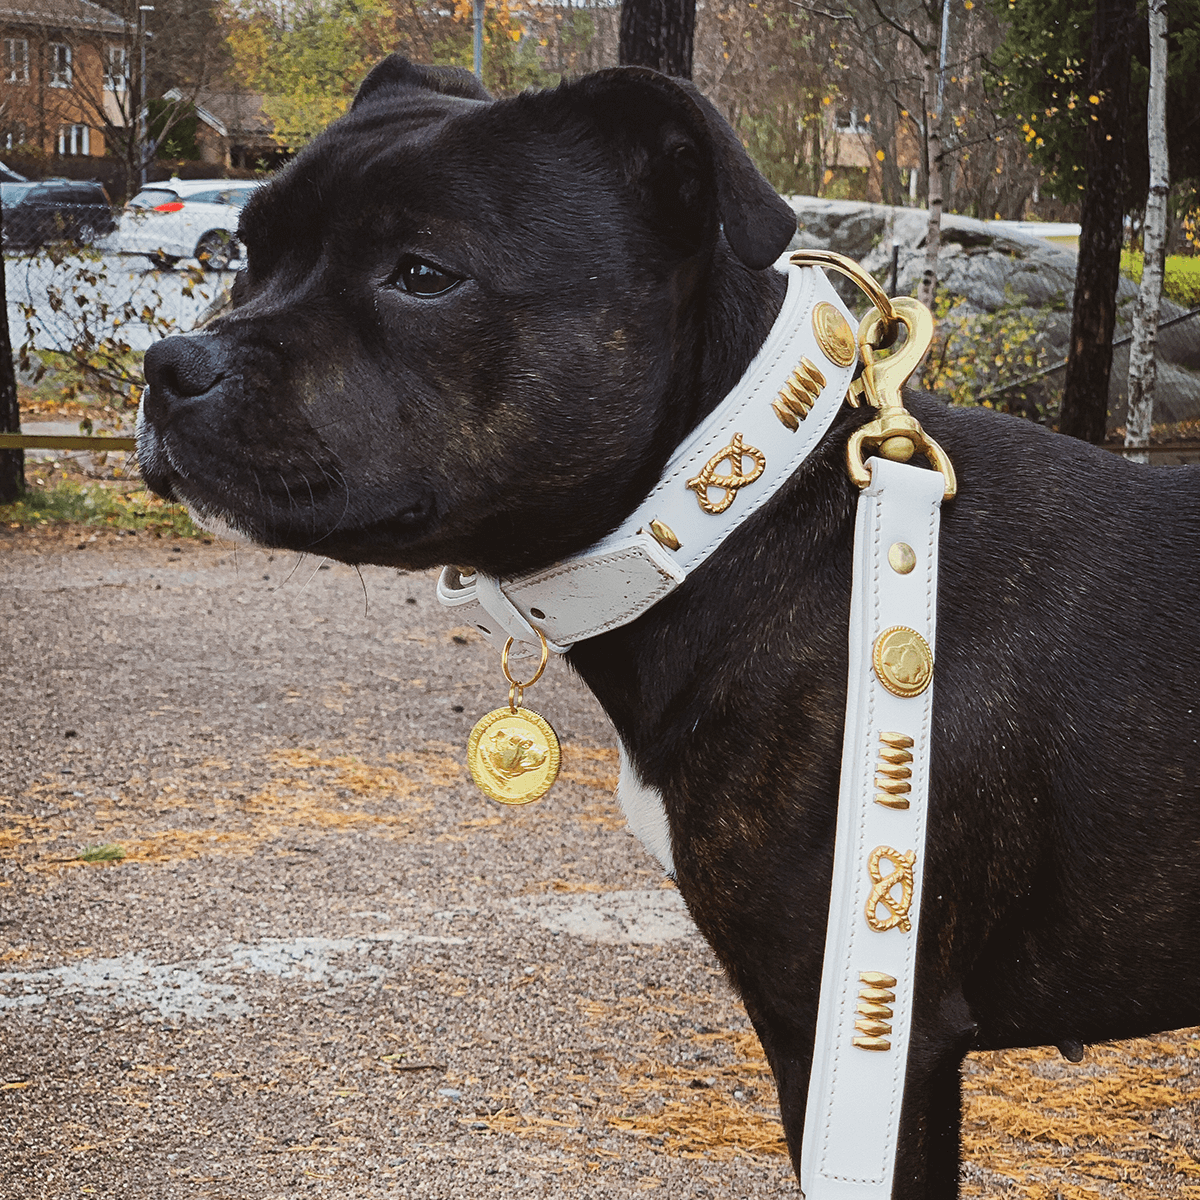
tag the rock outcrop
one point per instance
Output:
(989, 267)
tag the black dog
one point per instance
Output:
(473, 332)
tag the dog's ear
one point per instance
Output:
(695, 173)
(396, 73)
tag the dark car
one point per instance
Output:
(54, 210)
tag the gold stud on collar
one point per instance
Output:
(834, 335)
(664, 535)
(799, 394)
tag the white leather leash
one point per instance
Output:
(867, 981)
(746, 440)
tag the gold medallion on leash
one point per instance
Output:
(513, 753)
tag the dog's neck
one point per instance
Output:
(641, 673)
(729, 296)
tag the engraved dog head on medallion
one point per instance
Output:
(510, 755)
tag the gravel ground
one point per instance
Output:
(325, 964)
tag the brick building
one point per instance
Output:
(64, 76)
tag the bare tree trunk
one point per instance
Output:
(933, 144)
(12, 462)
(1143, 369)
(1094, 314)
(658, 34)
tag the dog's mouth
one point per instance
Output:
(278, 504)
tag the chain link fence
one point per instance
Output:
(81, 313)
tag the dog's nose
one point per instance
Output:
(180, 368)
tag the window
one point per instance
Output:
(116, 69)
(16, 60)
(153, 197)
(60, 65)
(849, 121)
(74, 140)
(14, 137)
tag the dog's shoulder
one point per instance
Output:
(996, 454)
(1079, 540)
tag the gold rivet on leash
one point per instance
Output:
(877, 979)
(512, 753)
(834, 335)
(664, 535)
(901, 558)
(903, 661)
(879, 993)
(872, 1043)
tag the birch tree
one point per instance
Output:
(1143, 369)
(935, 166)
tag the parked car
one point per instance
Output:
(194, 218)
(8, 175)
(54, 210)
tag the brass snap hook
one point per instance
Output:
(895, 434)
(884, 377)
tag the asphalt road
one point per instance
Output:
(325, 965)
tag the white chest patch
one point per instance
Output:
(644, 811)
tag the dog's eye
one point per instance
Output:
(422, 278)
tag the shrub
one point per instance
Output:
(1181, 279)
(976, 353)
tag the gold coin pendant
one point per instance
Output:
(513, 755)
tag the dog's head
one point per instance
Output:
(467, 328)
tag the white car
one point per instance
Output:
(192, 218)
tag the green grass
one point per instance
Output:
(1181, 282)
(108, 853)
(108, 507)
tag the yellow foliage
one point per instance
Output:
(975, 353)
(307, 68)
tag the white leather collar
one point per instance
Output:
(628, 572)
